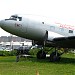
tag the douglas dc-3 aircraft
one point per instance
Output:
(42, 31)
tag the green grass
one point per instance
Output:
(29, 66)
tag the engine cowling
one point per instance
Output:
(51, 35)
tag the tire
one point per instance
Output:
(53, 57)
(41, 55)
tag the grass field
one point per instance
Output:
(29, 66)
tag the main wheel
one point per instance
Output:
(54, 57)
(41, 55)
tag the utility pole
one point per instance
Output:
(11, 41)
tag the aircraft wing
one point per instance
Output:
(60, 41)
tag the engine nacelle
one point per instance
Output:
(51, 35)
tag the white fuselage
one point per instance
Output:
(35, 27)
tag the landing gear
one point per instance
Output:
(54, 56)
(41, 54)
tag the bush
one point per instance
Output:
(33, 51)
(46, 49)
(1, 53)
(8, 53)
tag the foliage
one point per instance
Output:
(34, 51)
(46, 49)
(8, 53)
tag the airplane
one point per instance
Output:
(42, 31)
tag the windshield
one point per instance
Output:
(15, 17)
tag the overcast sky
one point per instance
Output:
(60, 10)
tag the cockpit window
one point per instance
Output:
(15, 17)
(20, 18)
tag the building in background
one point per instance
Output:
(14, 42)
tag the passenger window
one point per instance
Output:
(52, 27)
(61, 29)
(70, 31)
